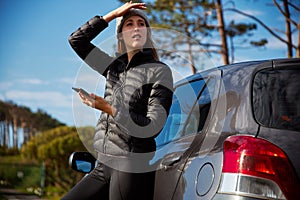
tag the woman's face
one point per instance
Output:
(134, 33)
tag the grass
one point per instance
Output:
(2, 197)
(19, 173)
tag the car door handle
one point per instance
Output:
(171, 161)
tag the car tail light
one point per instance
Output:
(257, 168)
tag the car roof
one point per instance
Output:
(277, 63)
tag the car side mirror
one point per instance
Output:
(82, 161)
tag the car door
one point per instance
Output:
(182, 131)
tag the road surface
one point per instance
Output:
(11, 194)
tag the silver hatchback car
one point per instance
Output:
(233, 133)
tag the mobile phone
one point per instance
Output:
(85, 93)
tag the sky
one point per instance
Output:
(38, 67)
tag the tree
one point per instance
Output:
(203, 24)
(194, 19)
(16, 119)
(53, 147)
(5, 120)
(285, 11)
(222, 31)
(290, 20)
(236, 30)
(184, 23)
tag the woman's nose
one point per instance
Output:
(136, 28)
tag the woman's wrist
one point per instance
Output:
(113, 111)
(109, 17)
(105, 107)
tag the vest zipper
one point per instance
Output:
(113, 98)
(105, 135)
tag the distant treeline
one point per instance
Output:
(20, 123)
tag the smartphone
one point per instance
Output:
(81, 90)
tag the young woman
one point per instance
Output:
(135, 106)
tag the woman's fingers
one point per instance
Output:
(93, 96)
(88, 100)
(138, 6)
(97, 102)
(127, 6)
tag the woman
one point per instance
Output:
(138, 96)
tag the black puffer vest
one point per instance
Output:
(141, 92)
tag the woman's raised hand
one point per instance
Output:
(127, 6)
(120, 11)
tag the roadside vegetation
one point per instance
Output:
(40, 164)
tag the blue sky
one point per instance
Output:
(38, 67)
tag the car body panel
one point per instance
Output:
(227, 119)
(169, 173)
(237, 116)
(168, 177)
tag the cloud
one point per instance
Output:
(33, 81)
(89, 80)
(274, 43)
(32, 93)
(39, 99)
(57, 104)
(5, 85)
(66, 80)
(254, 12)
(1, 96)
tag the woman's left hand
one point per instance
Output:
(97, 102)
(101, 104)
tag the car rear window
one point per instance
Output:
(276, 98)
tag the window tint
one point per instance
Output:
(276, 98)
(200, 111)
(185, 109)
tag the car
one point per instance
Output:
(233, 132)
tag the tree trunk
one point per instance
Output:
(6, 133)
(2, 133)
(222, 32)
(15, 132)
(192, 59)
(193, 68)
(288, 29)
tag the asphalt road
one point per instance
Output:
(11, 194)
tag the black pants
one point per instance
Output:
(107, 183)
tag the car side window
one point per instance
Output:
(200, 111)
(276, 97)
(185, 115)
